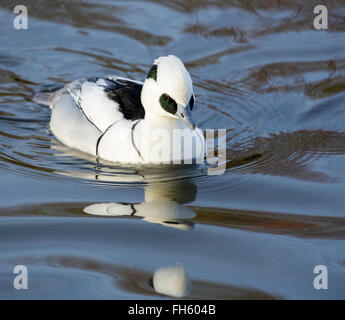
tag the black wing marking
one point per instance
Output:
(124, 92)
(132, 138)
(101, 136)
(127, 94)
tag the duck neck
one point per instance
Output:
(164, 122)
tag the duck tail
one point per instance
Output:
(43, 98)
(47, 98)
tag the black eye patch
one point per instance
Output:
(191, 103)
(153, 73)
(168, 104)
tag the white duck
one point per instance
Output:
(127, 121)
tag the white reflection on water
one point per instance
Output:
(172, 281)
(163, 205)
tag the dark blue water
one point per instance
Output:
(261, 71)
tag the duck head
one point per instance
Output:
(168, 91)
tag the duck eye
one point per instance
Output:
(191, 102)
(167, 103)
(153, 73)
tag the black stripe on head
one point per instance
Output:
(191, 103)
(153, 73)
(167, 103)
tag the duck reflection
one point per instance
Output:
(166, 193)
(172, 281)
(164, 205)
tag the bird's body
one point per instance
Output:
(128, 121)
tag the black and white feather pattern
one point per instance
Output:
(106, 100)
(85, 110)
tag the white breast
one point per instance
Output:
(116, 144)
(151, 142)
(168, 141)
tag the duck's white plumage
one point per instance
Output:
(126, 121)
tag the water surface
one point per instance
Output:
(260, 71)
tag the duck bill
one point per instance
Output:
(185, 116)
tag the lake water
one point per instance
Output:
(261, 71)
